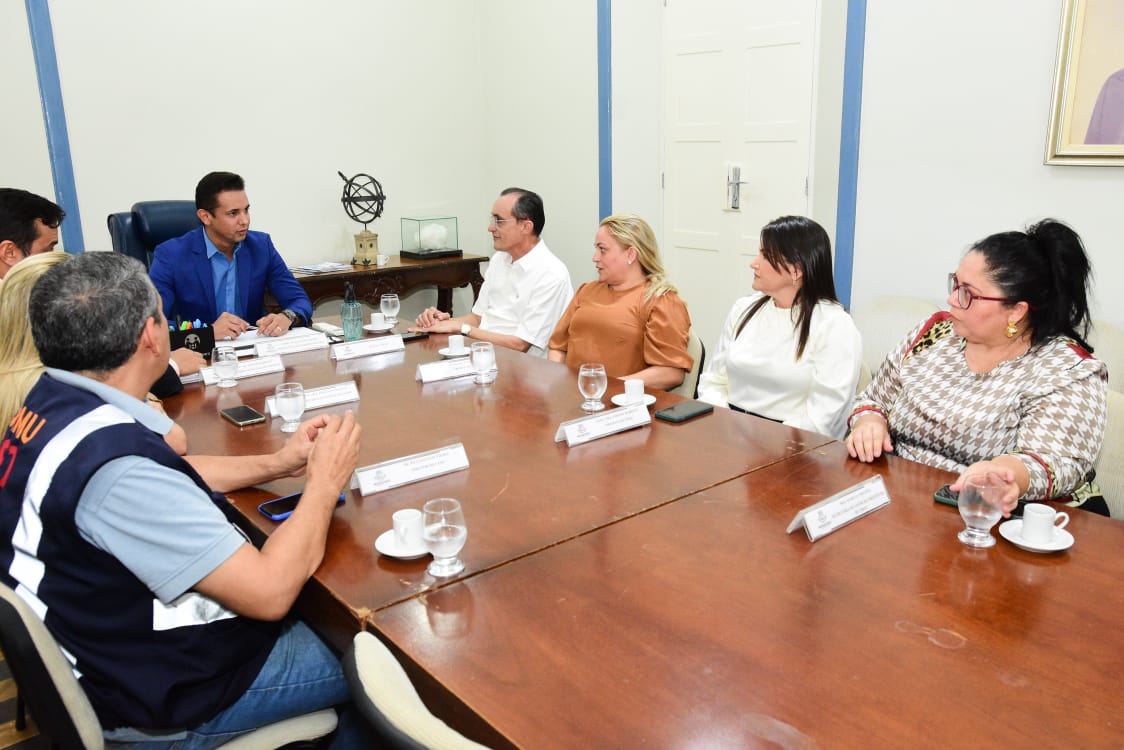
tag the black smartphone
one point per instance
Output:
(243, 415)
(684, 410)
(414, 335)
(946, 496)
(281, 508)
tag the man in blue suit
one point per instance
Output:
(220, 271)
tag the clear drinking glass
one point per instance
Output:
(445, 534)
(592, 383)
(389, 305)
(979, 505)
(483, 361)
(225, 362)
(289, 400)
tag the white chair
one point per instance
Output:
(48, 688)
(383, 693)
(689, 388)
(884, 321)
(1110, 461)
(1108, 344)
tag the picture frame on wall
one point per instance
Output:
(1087, 110)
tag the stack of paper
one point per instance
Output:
(325, 267)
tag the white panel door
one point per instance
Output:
(739, 89)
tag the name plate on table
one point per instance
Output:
(840, 509)
(584, 429)
(408, 469)
(325, 395)
(291, 344)
(247, 368)
(445, 369)
(367, 347)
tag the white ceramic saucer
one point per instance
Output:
(1012, 531)
(618, 399)
(381, 328)
(448, 353)
(387, 544)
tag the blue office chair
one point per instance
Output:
(136, 233)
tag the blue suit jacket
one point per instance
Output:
(182, 274)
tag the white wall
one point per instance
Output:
(445, 102)
(956, 100)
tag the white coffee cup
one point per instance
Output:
(382, 260)
(408, 528)
(378, 319)
(456, 343)
(633, 391)
(1040, 522)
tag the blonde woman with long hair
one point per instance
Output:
(631, 319)
(19, 359)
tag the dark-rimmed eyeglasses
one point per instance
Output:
(964, 296)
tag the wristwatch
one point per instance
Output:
(465, 329)
(292, 316)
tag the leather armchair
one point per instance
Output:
(137, 232)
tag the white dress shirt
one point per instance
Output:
(524, 298)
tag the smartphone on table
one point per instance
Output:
(281, 508)
(684, 410)
(243, 415)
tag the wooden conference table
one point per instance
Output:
(399, 276)
(641, 591)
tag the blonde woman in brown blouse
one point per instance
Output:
(631, 319)
(1003, 383)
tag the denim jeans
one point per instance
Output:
(301, 675)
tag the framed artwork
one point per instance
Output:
(1087, 111)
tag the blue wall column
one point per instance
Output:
(54, 117)
(849, 150)
(604, 108)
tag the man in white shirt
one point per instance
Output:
(526, 288)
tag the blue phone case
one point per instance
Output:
(280, 508)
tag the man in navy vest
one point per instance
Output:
(219, 272)
(173, 621)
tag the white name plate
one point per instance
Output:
(317, 398)
(445, 369)
(584, 429)
(291, 345)
(840, 509)
(367, 347)
(400, 471)
(247, 368)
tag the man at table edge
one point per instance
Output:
(526, 287)
(29, 225)
(220, 272)
(127, 553)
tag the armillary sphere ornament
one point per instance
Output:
(363, 200)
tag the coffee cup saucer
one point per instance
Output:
(619, 399)
(1012, 531)
(378, 327)
(387, 544)
(448, 353)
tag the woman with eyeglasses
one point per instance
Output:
(631, 319)
(1004, 382)
(789, 352)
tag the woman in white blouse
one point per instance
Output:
(789, 352)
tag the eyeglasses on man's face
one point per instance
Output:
(498, 221)
(964, 296)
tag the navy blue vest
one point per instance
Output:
(100, 613)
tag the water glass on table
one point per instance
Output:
(390, 306)
(483, 361)
(224, 361)
(288, 399)
(592, 383)
(980, 505)
(444, 534)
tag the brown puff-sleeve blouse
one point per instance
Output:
(623, 331)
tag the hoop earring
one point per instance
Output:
(1012, 329)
